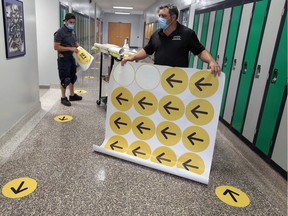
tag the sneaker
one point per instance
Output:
(65, 102)
(75, 97)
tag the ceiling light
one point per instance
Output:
(127, 8)
(123, 13)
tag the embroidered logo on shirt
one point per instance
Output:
(176, 37)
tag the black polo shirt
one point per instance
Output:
(66, 38)
(173, 50)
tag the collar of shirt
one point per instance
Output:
(175, 32)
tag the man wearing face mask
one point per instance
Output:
(65, 43)
(173, 42)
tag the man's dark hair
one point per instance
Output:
(172, 9)
(69, 16)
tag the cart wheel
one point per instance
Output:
(98, 102)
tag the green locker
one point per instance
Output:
(248, 65)
(204, 36)
(230, 49)
(276, 89)
(216, 33)
(195, 29)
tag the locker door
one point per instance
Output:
(201, 18)
(265, 56)
(204, 36)
(216, 33)
(223, 36)
(195, 29)
(238, 58)
(248, 65)
(279, 155)
(209, 35)
(230, 48)
(272, 103)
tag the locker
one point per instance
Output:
(199, 33)
(209, 34)
(223, 36)
(279, 155)
(238, 58)
(248, 65)
(204, 36)
(230, 47)
(265, 56)
(195, 29)
(272, 103)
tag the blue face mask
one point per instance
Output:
(162, 23)
(70, 26)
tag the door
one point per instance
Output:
(200, 26)
(204, 36)
(118, 32)
(209, 35)
(195, 29)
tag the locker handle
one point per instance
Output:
(245, 68)
(217, 60)
(258, 71)
(274, 76)
(234, 63)
(225, 61)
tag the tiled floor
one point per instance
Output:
(74, 180)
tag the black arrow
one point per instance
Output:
(231, 194)
(117, 122)
(142, 103)
(19, 190)
(198, 84)
(159, 158)
(140, 128)
(135, 152)
(63, 119)
(191, 138)
(195, 111)
(166, 107)
(170, 80)
(118, 98)
(113, 145)
(186, 165)
(164, 132)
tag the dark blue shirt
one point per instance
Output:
(66, 38)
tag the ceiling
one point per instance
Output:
(138, 5)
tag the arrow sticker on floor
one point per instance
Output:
(19, 187)
(63, 118)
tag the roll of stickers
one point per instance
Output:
(83, 58)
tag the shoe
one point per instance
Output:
(75, 97)
(65, 102)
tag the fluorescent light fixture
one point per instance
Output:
(123, 13)
(125, 8)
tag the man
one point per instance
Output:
(172, 43)
(65, 43)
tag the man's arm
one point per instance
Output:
(59, 47)
(206, 57)
(141, 54)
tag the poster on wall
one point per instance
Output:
(13, 17)
(163, 117)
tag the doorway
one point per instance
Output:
(118, 32)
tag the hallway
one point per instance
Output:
(74, 180)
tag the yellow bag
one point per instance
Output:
(83, 58)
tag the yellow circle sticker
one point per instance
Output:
(63, 118)
(145, 103)
(174, 80)
(203, 84)
(143, 128)
(171, 108)
(232, 196)
(122, 99)
(199, 112)
(165, 156)
(195, 139)
(79, 91)
(89, 77)
(192, 163)
(168, 133)
(120, 123)
(117, 143)
(140, 149)
(19, 187)
(83, 56)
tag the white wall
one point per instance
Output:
(19, 76)
(47, 14)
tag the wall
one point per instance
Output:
(19, 76)
(47, 13)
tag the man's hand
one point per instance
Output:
(215, 68)
(125, 59)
